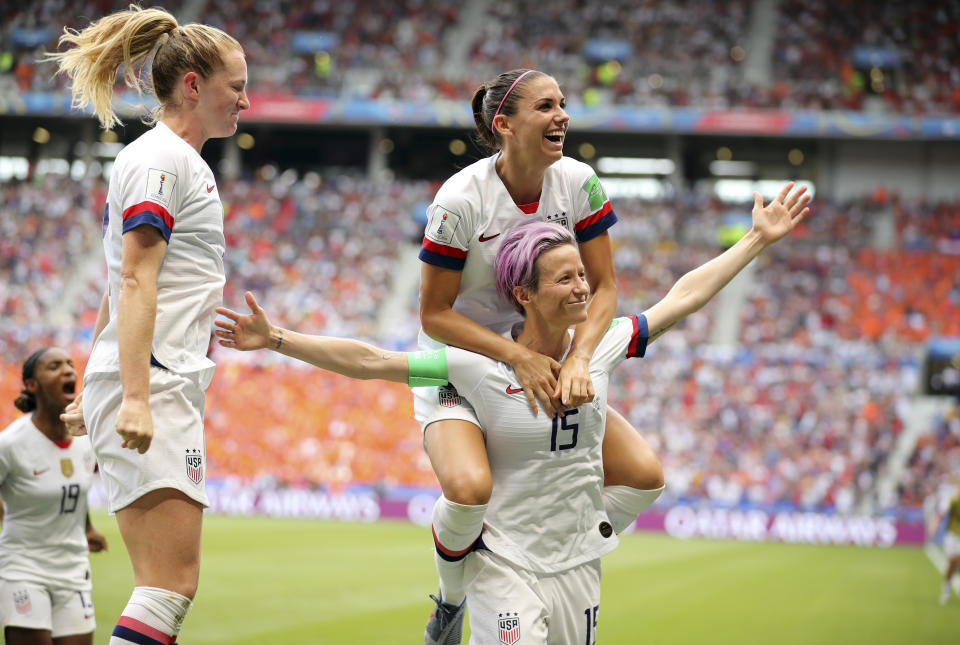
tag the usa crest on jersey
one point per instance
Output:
(194, 465)
(509, 628)
(21, 601)
(449, 397)
(559, 218)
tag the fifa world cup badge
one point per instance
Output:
(66, 467)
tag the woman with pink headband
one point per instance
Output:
(535, 575)
(520, 117)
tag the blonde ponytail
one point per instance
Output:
(123, 38)
(138, 38)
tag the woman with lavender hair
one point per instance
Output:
(549, 518)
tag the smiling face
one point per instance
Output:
(223, 95)
(54, 381)
(562, 292)
(539, 125)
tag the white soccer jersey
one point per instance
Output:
(473, 210)
(160, 180)
(44, 489)
(546, 512)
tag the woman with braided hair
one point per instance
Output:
(45, 585)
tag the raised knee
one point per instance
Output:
(650, 473)
(644, 473)
(652, 477)
(469, 489)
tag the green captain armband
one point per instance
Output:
(427, 368)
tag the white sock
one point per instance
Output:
(456, 528)
(151, 615)
(623, 504)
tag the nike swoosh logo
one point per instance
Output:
(513, 390)
(210, 188)
(484, 238)
(37, 473)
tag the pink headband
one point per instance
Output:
(505, 98)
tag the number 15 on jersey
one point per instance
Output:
(564, 434)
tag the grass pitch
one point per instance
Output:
(298, 582)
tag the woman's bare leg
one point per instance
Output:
(162, 533)
(628, 460)
(459, 456)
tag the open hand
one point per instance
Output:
(244, 332)
(781, 215)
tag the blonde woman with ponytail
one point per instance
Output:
(143, 393)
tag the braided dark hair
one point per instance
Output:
(26, 401)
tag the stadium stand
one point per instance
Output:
(45, 227)
(803, 413)
(686, 53)
(804, 409)
(895, 56)
(933, 460)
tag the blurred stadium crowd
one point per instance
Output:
(805, 412)
(896, 57)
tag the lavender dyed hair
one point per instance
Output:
(516, 263)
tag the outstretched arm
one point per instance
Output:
(341, 355)
(696, 288)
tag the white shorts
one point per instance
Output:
(951, 545)
(62, 612)
(177, 455)
(439, 403)
(511, 605)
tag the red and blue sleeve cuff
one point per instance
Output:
(149, 213)
(638, 339)
(443, 256)
(592, 226)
